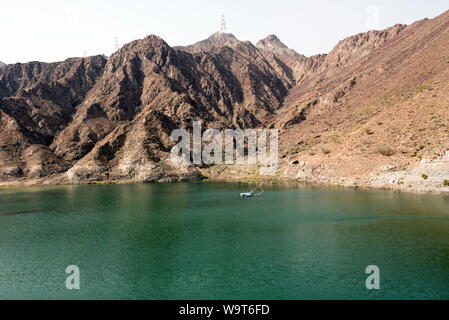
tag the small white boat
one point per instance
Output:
(246, 195)
(251, 194)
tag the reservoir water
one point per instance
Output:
(202, 241)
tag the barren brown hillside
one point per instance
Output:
(387, 111)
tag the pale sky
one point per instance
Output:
(54, 30)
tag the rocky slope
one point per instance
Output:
(112, 119)
(382, 116)
(288, 62)
(374, 106)
(37, 100)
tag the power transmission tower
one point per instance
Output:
(223, 24)
(116, 44)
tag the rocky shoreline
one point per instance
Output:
(425, 176)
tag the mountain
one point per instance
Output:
(112, 118)
(2, 64)
(379, 117)
(37, 100)
(272, 43)
(363, 113)
(216, 40)
(288, 62)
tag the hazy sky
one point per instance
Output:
(53, 30)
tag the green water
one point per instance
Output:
(201, 241)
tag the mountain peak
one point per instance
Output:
(217, 39)
(222, 37)
(271, 41)
(150, 41)
(155, 41)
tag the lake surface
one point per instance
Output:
(201, 241)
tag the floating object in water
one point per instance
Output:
(246, 195)
(251, 194)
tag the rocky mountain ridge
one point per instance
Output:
(97, 119)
